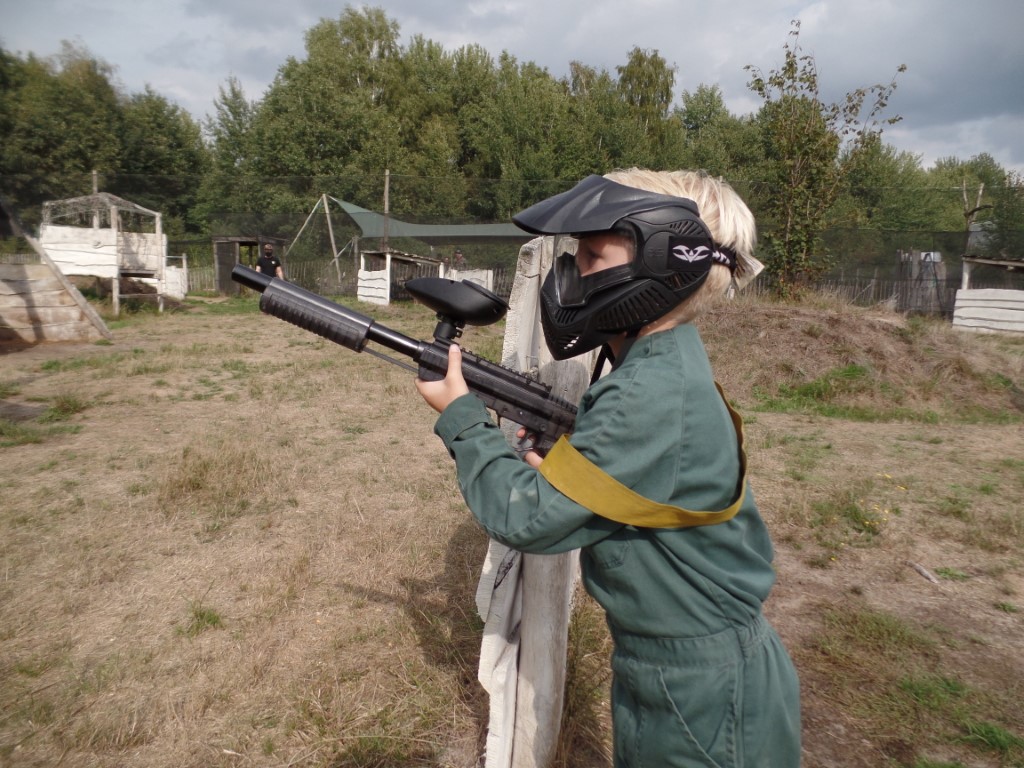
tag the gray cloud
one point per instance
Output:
(963, 92)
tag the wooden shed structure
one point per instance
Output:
(383, 273)
(104, 236)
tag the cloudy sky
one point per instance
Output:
(962, 94)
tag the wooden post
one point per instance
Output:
(330, 234)
(387, 193)
(96, 210)
(526, 710)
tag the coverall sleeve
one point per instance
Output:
(510, 499)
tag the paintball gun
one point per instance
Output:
(510, 394)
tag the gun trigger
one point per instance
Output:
(524, 445)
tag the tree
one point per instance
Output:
(885, 189)
(519, 133)
(646, 82)
(713, 139)
(329, 119)
(602, 130)
(1007, 231)
(163, 157)
(423, 107)
(802, 138)
(990, 200)
(474, 81)
(230, 184)
(63, 120)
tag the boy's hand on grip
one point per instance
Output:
(440, 394)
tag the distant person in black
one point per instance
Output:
(269, 264)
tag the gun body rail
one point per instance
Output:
(510, 394)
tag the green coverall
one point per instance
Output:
(699, 676)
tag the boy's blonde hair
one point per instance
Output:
(723, 211)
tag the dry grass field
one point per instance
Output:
(227, 542)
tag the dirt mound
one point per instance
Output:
(838, 354)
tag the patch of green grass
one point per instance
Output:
(8, 389)
(991, 737)
(825, 396)
(238, 368)
(488, 347)
(864, 630)
(105, 365)
(956, 506)
(951, 574)
(830, 396)
(15, 433)
(847, 517)
(63, 407)
(892, 678)
(20, 433)
(37, 666)
(238, 305)
(200, 619)
(933, 692)
(149, 368)
(221, 476)
(804, 455)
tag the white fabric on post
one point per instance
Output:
(525, 600)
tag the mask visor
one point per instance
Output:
(573, 289)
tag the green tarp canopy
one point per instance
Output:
(372, 225)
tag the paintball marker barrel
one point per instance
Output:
(510, 394)
(316, 314)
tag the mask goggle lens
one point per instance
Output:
(574, 289)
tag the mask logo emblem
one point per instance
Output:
(699, 253)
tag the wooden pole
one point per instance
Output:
(387, 194)
(330, 234)
(96, 210)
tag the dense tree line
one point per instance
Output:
(467, 137)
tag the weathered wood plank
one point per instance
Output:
(64, 332)
(25, 272)
(989, 309)
(22, 290)
(988, 325)
(25, 317)
(373, 287)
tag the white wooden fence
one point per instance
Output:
(989, 309)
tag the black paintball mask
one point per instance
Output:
(673, 255)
